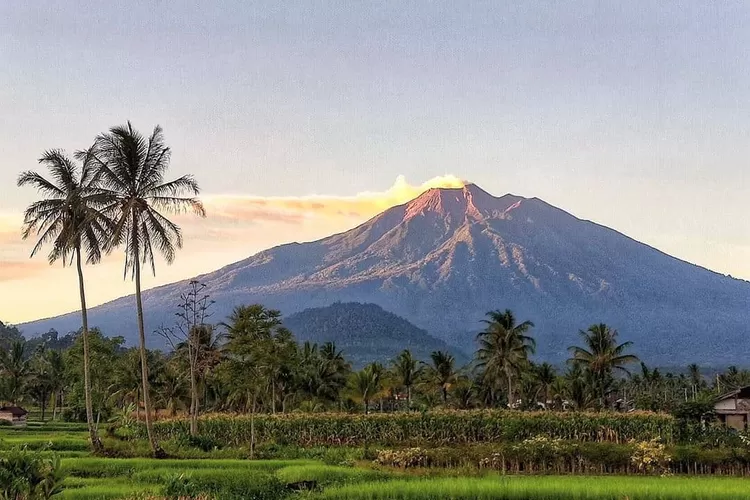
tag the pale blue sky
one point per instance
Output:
(633, 114)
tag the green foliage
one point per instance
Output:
(25, 475)
(365, 332)
(327, 475)
(503, 354)
(432, 428)
(227, 485)
(695, 411)
(8, 335)
(201, 442)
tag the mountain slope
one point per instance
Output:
(365, 332)
(447, 257)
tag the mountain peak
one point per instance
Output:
(469, 202)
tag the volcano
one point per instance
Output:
(447, 257)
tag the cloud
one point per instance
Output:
(236, 226)
(298, 210)
(13, 269)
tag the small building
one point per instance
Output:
(733, 408)
(13, 414)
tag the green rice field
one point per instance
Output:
(89, 477)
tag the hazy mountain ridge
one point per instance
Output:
(448, 256)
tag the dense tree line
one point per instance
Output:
(251, 363)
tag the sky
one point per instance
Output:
(300, 119)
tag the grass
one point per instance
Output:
(545, 488)
(327, 475)
(53, 436)
(110, 478)
(117, 478)
(119, 467)
(104, 488)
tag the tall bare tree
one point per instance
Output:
(131, 173)
(71, 217)
(186, 338)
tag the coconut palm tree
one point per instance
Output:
(366, 384)
(57, 371)
(408, 371)
(545, 376)
(16, 370)
(131, 173)
(696, 379)
(504, 349)
(332, 372)
(601, 355)
(442, 372)
(70, 216)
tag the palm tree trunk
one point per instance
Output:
(193, 387)
(96, 443)
(54, 407)
(252, 427)
(155, 448)
(273, 398)
(510, 391)
(408, 397)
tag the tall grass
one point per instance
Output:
(327, 475)
(545, 488)
(101, 468)
(95, 489)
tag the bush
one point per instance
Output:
(229, 485)
(403, 459)
(651, 457)
(203, 443)
(27, 476)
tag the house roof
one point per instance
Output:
(14, 410)
(743, 392)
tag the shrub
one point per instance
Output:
(404, 459)
(651, 457)
(229, 485)
(27, 476)
(204, 443)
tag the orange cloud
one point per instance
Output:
(296, 210)
(13, 270)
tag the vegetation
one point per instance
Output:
(544, 488)
(131, 172)
(460, 471)
(434, 428)
(365, 333)
(70, 216)
(245, 388)
(257, 368)
(27, 476)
